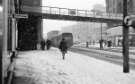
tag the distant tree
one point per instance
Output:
(98, 9)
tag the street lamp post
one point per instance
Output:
(125, 40)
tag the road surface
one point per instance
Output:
(104, 56)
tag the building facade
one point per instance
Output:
(116, 6)
(116, 36)
(86, 31)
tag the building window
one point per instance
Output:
(120, 8)
(130, 6)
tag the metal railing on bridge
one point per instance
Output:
(72, 12)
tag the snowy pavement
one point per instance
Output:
(47, 67)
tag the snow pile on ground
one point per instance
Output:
(47, 67)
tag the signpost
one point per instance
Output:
(20, 15)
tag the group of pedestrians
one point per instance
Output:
(104, 43)
(62, 46)
(45, 44)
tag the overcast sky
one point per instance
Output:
(49, 25)
(75, 4)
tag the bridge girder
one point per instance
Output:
(76, 18)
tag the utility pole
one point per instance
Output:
(125, 40)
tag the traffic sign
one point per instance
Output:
(21, 15)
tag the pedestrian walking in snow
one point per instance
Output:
(48, 44)
(43, 44)
(109, 43)
(63, 48)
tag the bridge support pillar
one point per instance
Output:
(28, 33)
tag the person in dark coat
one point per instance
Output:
(63, 47)
(43, 44)
(109, 43)
(48, 44)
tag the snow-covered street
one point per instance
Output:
(47, 67)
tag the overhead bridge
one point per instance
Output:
(46, 12)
